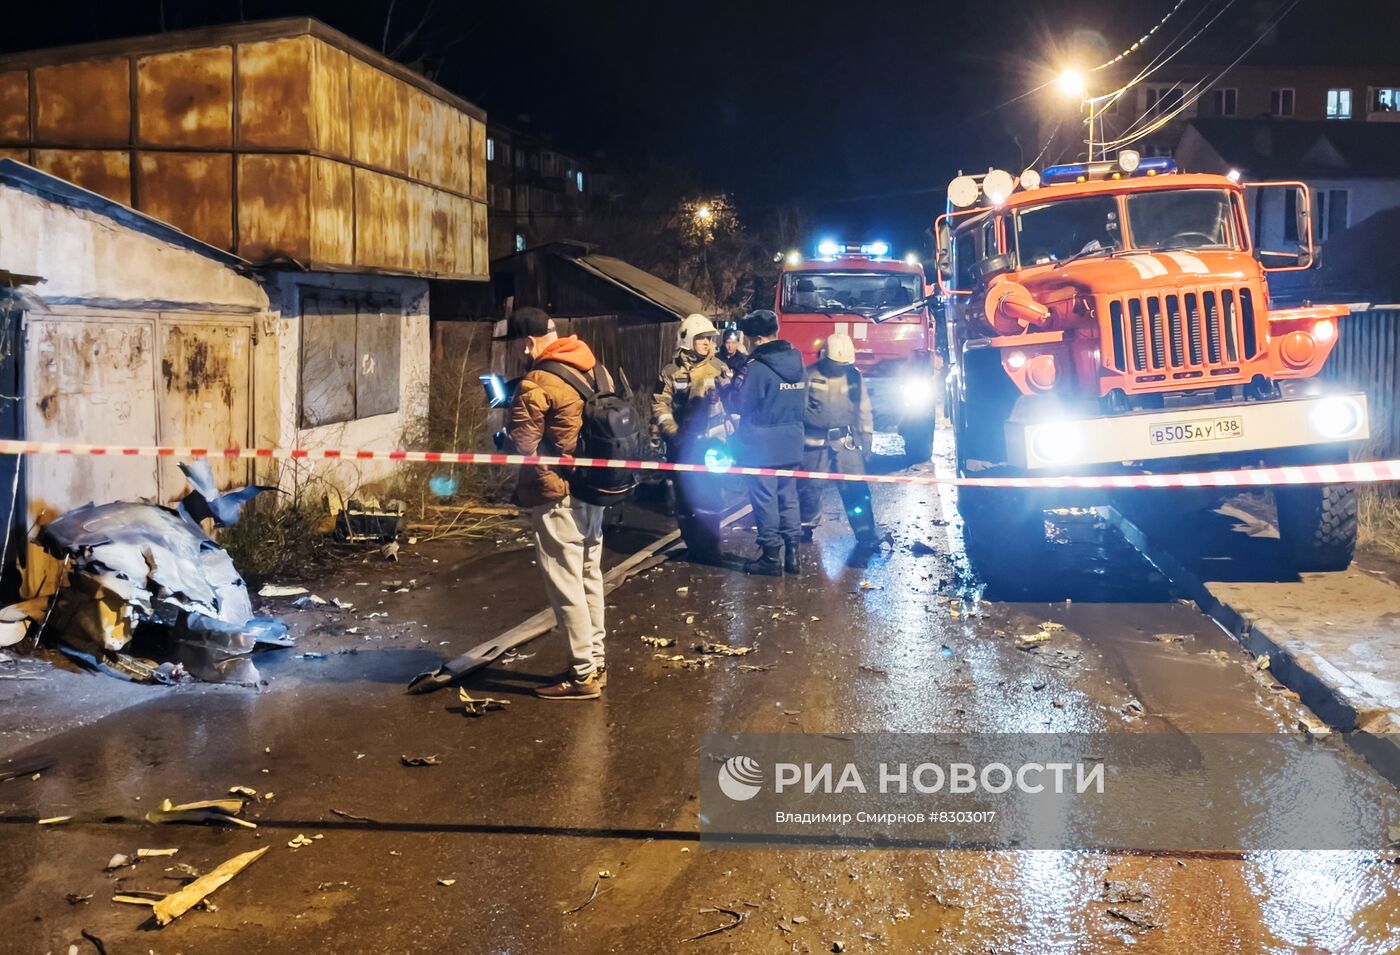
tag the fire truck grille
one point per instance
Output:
(1201, 333)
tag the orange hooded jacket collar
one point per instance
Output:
(570, 351)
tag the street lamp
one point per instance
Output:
(704, 214)
(1072, 84)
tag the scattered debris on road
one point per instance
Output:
(1030, 641)
(1261, 662)
(447, 881)
(659, 641)
(1117, 892)
(221, 811)
(1314, 729)
(591, 896)
(181, 901)
(351, 816)
(118, 861)
(738, 919)
(723, 649)
(420, 760)
(155, 853)
(299, 841)
(280, 590)
(1139, 921)
(479, 706)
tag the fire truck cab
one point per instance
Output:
(843, 289)
(1113, 317)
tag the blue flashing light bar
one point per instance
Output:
(830, 248)
(1087, 171)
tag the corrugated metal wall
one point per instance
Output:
(1367, 357)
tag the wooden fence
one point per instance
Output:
(464, 350)
(1367, 357)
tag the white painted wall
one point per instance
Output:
(86, 256)
(381, 432)
(1367, 197)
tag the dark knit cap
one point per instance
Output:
(761, 323)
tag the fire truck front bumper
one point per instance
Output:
(1143, 437)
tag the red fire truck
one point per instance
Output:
(842, 289)
(1113, 317)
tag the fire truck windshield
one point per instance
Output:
(1160, 219)
(1182, 219)
(1069, 228)
(848, 291)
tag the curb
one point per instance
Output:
(1372, 730)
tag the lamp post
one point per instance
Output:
(1072, 84)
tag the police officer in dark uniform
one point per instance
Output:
(769, 400)
(840, 426)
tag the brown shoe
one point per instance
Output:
(572, 689)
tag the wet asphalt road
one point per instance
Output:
(530, 804)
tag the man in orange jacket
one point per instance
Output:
(545, 417)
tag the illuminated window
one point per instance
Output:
(1339, 104)
(1281, 101)
(578, 180)
(1385, 99)
(490, 149)
(519, 242)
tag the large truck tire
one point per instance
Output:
(1002, 528)
(918, 439)
(1317, 525)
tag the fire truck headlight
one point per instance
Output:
(794, 257)
(1128, 160)
(1058, 442)
(917, 392)
(1030, 179)
(1337, 418)
(963, 191)
(1324, 331)
(997, 186)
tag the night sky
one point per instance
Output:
(860, 111)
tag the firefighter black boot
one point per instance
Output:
(768, 564)
(792, 563)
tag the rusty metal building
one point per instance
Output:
(281, 141)
(347, 180)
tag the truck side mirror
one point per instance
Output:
(1300, 198)
(944, 264)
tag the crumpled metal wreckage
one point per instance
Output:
(134, 564)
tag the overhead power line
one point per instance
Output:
(1140, 40)
(1198, 89)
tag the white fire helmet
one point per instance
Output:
(692, 328)
(839, 349)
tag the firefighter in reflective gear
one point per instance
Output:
(688, 415)
(839, 429)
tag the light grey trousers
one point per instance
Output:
(569, 545)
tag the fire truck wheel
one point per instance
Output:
(1000, 525)
(918, 440)
(1317, 525)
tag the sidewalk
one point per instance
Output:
(1334, 639)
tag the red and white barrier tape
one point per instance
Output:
(1363, 473)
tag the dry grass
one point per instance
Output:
(1378, 517)
(280, 534)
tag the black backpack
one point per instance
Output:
(610, 430)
